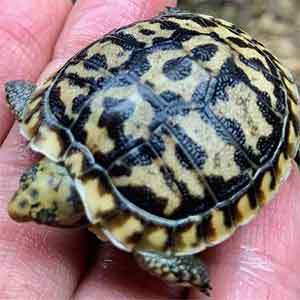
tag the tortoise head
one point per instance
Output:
(47, 195)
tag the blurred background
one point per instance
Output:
(276, 23)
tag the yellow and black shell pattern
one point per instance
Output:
(176, 130)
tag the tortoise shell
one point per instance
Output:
(176, 130)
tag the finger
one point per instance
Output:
(33, 260)
(261, 260)
(28, 30)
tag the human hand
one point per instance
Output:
(259, 262)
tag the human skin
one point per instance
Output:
(259, 262)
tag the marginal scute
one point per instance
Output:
(272, 179)
(215, 228)
(33, 112)
(97, 199)
(282, 166)
(243, 212)
(33, 115)
(266, 190)
(125, 229)
(50, 141)
(33, 122)
(188, 239)
(154, 238)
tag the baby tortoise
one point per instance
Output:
(164, 136)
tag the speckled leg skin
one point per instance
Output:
(18, 92)
(186, 270)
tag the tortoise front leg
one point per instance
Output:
(18, 93)
(186, 270)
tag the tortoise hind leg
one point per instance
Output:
(18, 93)
(186, 270)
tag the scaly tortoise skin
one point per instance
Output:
(164, 136)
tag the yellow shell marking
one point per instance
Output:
(205, 136)
(242, 104)
(245, 213)
(48, 142)
(123, 228)
(219, 231)
(190, 25)
(97, 137)
(74, 163)
(96, 199)
(265, 191)
(188, 240)
(142, 116)
(85, 73)
(282, 166)
(256, 77)
(68, 93)
(148, 39)
(114, 54)
(154, 238)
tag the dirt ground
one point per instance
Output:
(276, 23)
